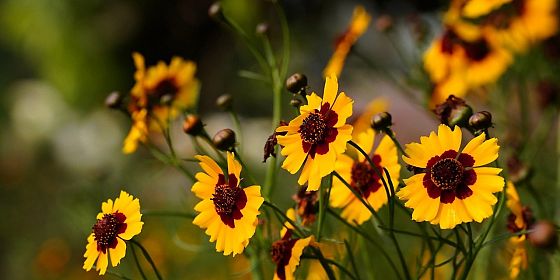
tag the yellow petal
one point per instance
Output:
(118, 253)
(482, 151)
(233, 166)
(209, 166)
(331, 90)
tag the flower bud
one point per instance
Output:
(381, 121)
(215, 11)
(543, 235)
(262, 28)
(481, 121)
(453, 111)
(114, 100)
(224, 102)
(296, 83)
(192, 125)
(224, 140)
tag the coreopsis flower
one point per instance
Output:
(452, 186)
(287, 251)
(163, 91)
(117, 222)
(358, 25)
(228, 212)
(519, 24)
(307, 205)
(464, 58)
(318, 135)
(363, 178)
(521, 218)
(477, 8)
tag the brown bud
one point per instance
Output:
(481, 121)
(296, 83)
(453, 111)
(224, 102)
(224, 140)
(215, 11)
(384, 23)
(262, 28)
(271, 142)
(381, 121)
(543, 235)
(192, 125)
(114, 100)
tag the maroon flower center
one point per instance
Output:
(164, 92)
(229, 199)
(313, 129)
(107, 229)
(476, 51)
(365, 178)
(281, 253)
(447, 173)
(317, 130)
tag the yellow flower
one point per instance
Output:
(287, 251)
(227, 211)
(519, 219)
(117, 222)
(477, 8)
(163, 91)
(138, 132)
(363, 178)
(452, 186)
(358, 25)
(524, 23)
(463, 58)
(318, 135)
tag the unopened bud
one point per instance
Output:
(224, 102)
(481, 121)
(224, 140)
(262, 28)
(453, 111)
(296, 83)
(381, 121)
(215, 11)
(114, 100)
(543, 235)
(192, 125)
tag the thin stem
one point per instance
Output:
(324, 262)
(360, 197)
(237, 125)
(170, 160)
(147, 257)
(368, 238)
(389, 132)
(372, 164)
(440, 239)
(118, 275)
(245, 167)
(172, 214)
(351, 258)
(335, 263)
(135, 257)
(323, 204)
(283, 215)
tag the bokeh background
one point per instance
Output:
(60, 148)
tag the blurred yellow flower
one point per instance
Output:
(519, 219)
(358, 26)
(318, 135)
(161, 92)
(452, 187)
(117, 222)
(227, 211)
(363, 178)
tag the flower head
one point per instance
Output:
(161, 92)
(358, 25)
(364, 178)
(315, 138)
(228, 212)
(117, 222)
(519, 219)
(287, 251)
(452, 187)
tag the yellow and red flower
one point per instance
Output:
(318, 135)
(287, 251)
(358, 26)
(227, 211)
(363, 178)
(161, 92)
(519, 219)
(451, 187)
(117, 222)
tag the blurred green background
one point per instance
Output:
(60, 148)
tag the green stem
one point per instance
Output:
(118, 275)
(440, 239)
(135, 257)
(324, 262)
(237, 125)
(286, 218)
(351, 258)
(360, 197)
(323, 204)
(389, 132)
(170, 160)
(245, 167)
(147, 256)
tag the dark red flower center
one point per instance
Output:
(526, 215)
(476, 51)
(229, 199)
(307, 205)
(317, 130)
(281, 253)
(164, 92)
(449, 175)
(107, 229)
(365, 178)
